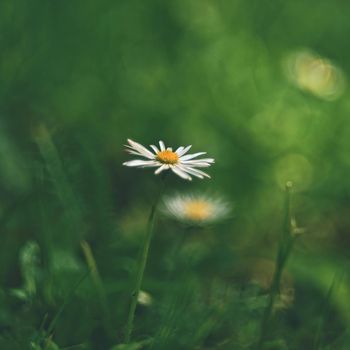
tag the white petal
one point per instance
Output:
(194, 171)
(162, 146)
(131, 151)
(179, 150)
(202, 160)
(141, 149)
(183, 151)
(196, 165)
(189, 171)
(155, 149)
(161, 168)
(200, 163)
(190, 156)
(141, 163)
(181, 173)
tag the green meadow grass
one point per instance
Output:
(262, 87)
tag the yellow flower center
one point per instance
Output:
(197, 210)
(167, 157)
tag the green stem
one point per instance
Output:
(142, 265)
(337, 279)
(96, 278)
(284, 250)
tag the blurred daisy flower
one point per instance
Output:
(164, 158)
(196, 209)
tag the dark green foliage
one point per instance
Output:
(80, 77)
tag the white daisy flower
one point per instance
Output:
(197, 209)
(164, 158)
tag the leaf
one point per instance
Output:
(29, 261)
(278, 344)
(132, 346)
(20, 294)
(51, 346)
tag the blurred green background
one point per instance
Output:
(260, 85)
